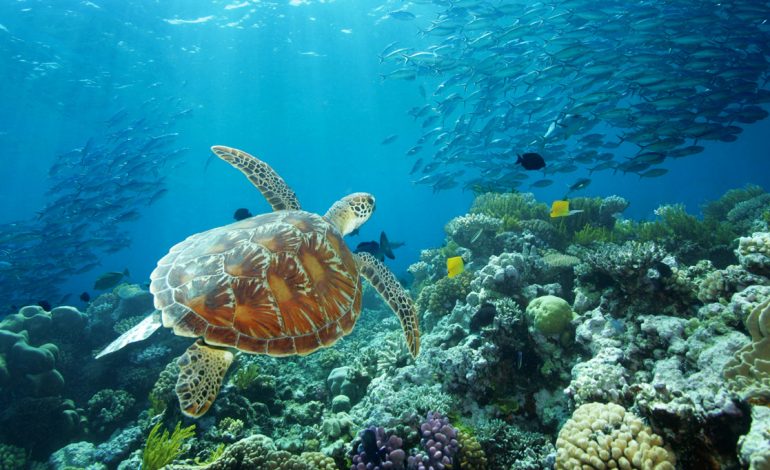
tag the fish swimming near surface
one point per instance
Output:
(109, 280)
(242, 213)
(380, 250)
(530, 161)
(454, 266)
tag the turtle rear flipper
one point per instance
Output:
(140, 332)
(384, 282)
(201, 371)
(278, 194)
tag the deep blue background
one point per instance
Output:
(298, 86)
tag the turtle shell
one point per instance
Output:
(280, 283)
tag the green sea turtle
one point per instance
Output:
(281, 283)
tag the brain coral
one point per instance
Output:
(600, 436)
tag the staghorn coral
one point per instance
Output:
(748, 373)
(512, 447)
(602, 436)
(635, 275)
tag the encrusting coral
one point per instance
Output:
(748, 373)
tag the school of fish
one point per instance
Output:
(94, 191)
(590, 86)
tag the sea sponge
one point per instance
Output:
(600, 436)
(550, 315)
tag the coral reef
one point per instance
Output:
(586, 341)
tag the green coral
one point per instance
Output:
(107, 408)
(688, 237)
(245, 376)
(509, 207)
(471, 455)
(719, 209)
(12, 456)
(589, 234)
(161, 449)
(550, 315)
(162, 392)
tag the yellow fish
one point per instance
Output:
(454, 266)
(561, 209)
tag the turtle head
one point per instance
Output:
(350, 212)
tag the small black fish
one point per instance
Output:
(241, 214)
(380, 250)
(483, 317)
(369, 443)
(45, 304)
(531, 161)
(85, 297)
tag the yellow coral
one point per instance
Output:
(601, 436)
(471, 455)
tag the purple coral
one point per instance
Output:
(439, 440)
(379, 451)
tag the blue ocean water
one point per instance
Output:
(298, 85)
(109, 109)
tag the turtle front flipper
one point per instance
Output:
(278, 194)
(201, 371)
(385, 282)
